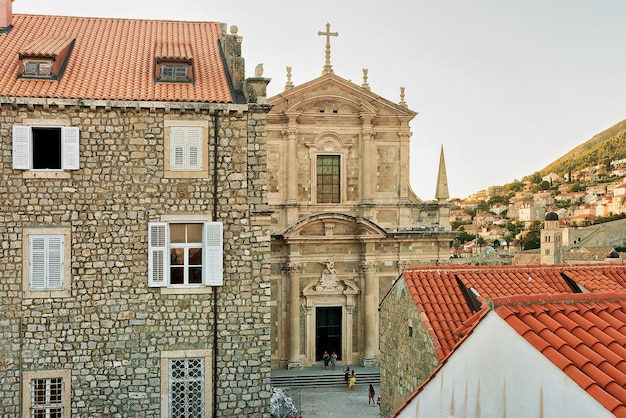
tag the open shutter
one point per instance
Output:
(194, 142)
(157, 254)
(37, 258)
(70, 148)
(21, 147)
(214, 250)
(177, 148)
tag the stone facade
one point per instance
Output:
(111, 329)
(408, 353)
(334, 254)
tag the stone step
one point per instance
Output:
(316, 380)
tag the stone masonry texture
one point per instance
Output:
(111, 330)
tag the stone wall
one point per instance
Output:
(407, 353)
(112, 329)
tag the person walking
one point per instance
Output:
(346, 375)
(326, 358)
(333, 359)
(372, 393)
(352, 380)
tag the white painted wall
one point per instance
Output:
(497, 373)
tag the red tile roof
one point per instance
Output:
(113, 59)
(444, 308)
(583, 334)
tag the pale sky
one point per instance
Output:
(506, 86)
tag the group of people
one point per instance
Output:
(350, 377)
(330, 358)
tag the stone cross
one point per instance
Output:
(328, 69)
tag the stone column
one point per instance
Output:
(370, 315)
(291, 173)
(293, 271)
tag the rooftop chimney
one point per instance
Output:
(6, 15)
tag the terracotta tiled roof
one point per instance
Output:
(113, 59)
(584, 335)
(444, 308)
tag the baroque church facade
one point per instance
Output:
(344, 219)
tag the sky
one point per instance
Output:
(505, 86)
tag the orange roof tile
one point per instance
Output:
(438, 295)
(113, 59)
(591, 352)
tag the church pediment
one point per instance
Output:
(331, 92)
(332, 225)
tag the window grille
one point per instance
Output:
(47, 398)
(186, 381)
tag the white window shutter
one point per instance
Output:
(70, 138)
(21, 147)
(194, 142)
(214, 254)
(37, 258)
(55, 262)
(157, 254)
(177, 148)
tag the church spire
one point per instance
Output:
(441, 192)
(328, 68)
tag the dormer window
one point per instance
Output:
(173, 62)
(33, 68)
(45, 58)
(174, 72)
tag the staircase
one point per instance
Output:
(303, 380)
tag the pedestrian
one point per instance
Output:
(378, 401)
(326, 358)
(372, 393)
(352, 380)
(333, 359)
(346, 375)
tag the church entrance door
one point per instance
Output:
(327, 331)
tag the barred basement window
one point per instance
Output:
(186, 388)
(47, 398)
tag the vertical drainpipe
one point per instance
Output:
(214, 218)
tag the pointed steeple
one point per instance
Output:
(441, 192)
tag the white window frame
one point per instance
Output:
(46, 262)
(159, 254)
(23, 147)
(43, 68)
(166, 356)
(28, 400)
(171, 71)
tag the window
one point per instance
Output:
(37, 68)
(186, 387)
(46, 262)
(46, 397)
(174, 72)
(186, 383)
(185, 254)
(186, 148)
(328, 179)
(45, 148)
(46, 394)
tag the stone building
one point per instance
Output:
(344, 221)
(134, 259)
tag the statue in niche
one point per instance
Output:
(328, 281)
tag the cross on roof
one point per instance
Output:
(328, 69)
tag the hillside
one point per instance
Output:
(604, 147)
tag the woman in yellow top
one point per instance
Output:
(352, 380)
